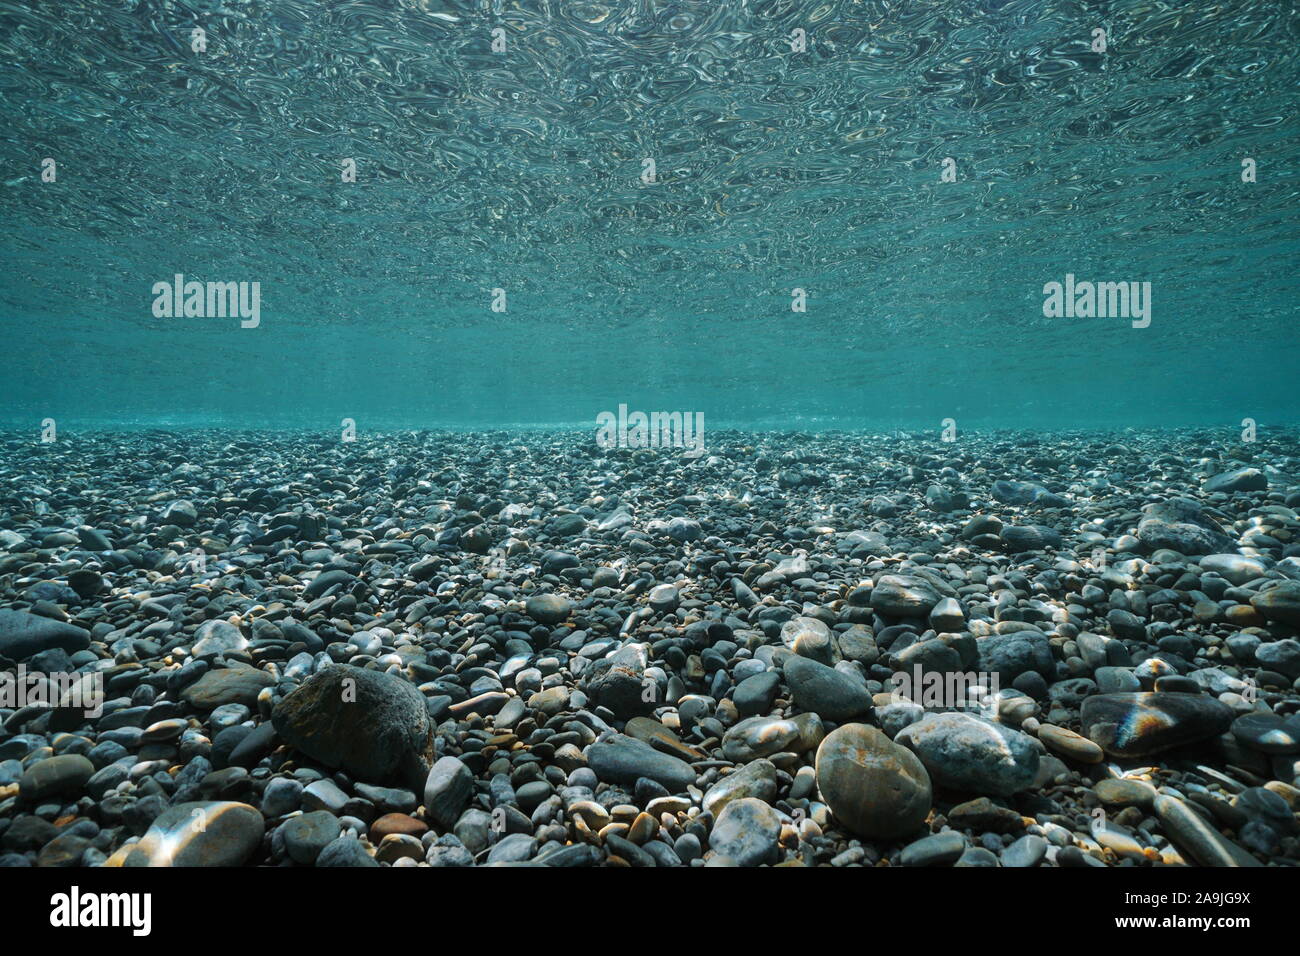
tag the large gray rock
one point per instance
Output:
(369, 723)
(622, 759)
(825, 691)
(1010, 655)
(23, 634)
(1136, 725)
(1181, 525)
(968, 753)
(872, 785)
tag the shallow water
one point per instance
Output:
(774, 171)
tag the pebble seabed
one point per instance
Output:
(452, 649)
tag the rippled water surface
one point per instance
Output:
(775, 170)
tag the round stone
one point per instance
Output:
(873, 786)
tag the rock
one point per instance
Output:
(825, 691)
(237, 684)
(940, 849)
(747, 832)
(1268, 733)
(901, 595)
(757, 737)
(1029, 851)
(1020, 652)
(1243, 479)
(1278, 603)
(548, 609)
(874, 787)
(307, 835)
(447, 791)
(64, 775)
(369, 723)
(200, 834)
(984, 816)
(1137, 725)
(1235, 568)
(1180, 524)
(619, 683)
(23, 634)
(809, 637)
(754, 695)
(755, 779)
(1021, 538)
(1070, 745)
(622, 759)
(217, 637)
(971, 754)
(345, 851)
(1192, 834)
(1280, 656)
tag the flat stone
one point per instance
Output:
(757, 737)
(64, 775)
(306, 835)
(1137, 725)
(23, 634)
(237, 684)
(200, 834)
(1279, 603)
(939, 849)
(1068, 744)
(622, 759)
(1268, 733)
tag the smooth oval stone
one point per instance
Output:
(548, 609)
(825, 691)
(200, 834)
(971, 754)
(305, 836)
(1067, 743)
(1279, 603)
(23, 634)
(1120, 792)
(902, 595)
(622, 759)
(810, 638)
(238, 684)
(1268, 733)
(1136, 725)
(757, 737)
(64, 775)
(1029, 851)
(747, 832)
(755, 779)
(873, 786)
(940, 849)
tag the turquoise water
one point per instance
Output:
(775, 170)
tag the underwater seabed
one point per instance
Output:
(460, 648)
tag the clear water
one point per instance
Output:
(776, 170)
